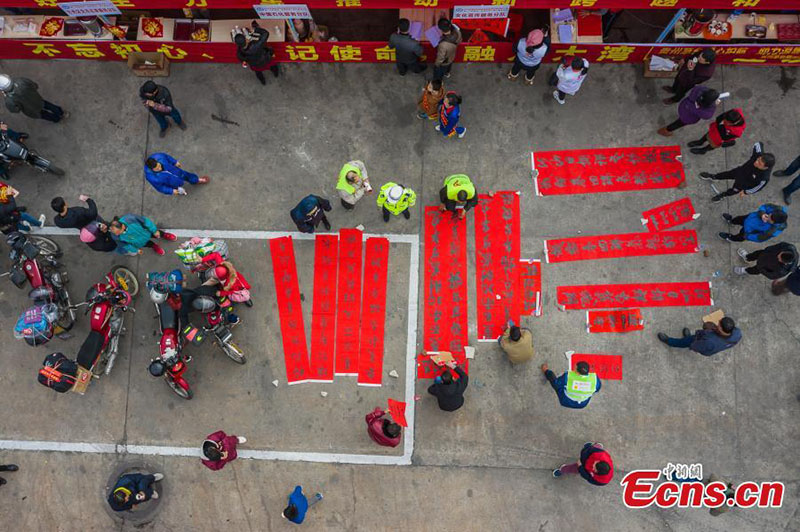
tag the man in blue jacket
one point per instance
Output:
(767, 222)
(132, 489)
(166, 175)
(298, 505)
(709, 340)
(574, 388)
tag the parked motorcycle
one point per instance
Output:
(15, 152)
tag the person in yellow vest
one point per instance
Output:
(457, 194)
(353, 183)
(574, 388)
(517, 343)
(396, 199)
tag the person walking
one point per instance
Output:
(298, 505)
(383, 431)
(219, 449)
(310, 212)
(724, 131)
(7, 467)
(158, 100)
(15, 217)
(430, 100)
(255, 54)
(22, 95)
(396, 199)
(449, 392)
(700, 104)
(408, 50)
(353, 183)
(574, 388)
(449, 114)
(517, 343)
(710, 340)
(748, 178)
(767, 222)
(773, 262)
(792, 187)
(595, 465)
(530, 51)
(568, 79)
(692, 71)
(132, 489)
(133, 233)
(97, 236)
(457, 194)
(167, 176)
(446, 48)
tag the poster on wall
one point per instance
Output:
(472, 12)
(282, 11)
(88, 9)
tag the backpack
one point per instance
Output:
(58, 372)
(35, 325)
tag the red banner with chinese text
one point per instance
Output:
(621, 245)
(530, 287)
(607, 367)
(670, 215)
(348, 307)
(635, 295)
(614, 321)
(323, 312)
(373, 312)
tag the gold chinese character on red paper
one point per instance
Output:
(47, 3)
(172, 52)
(47, 49)
(346, 53)
(123, 50)
(571, 51)
(663, 3)
(426, 3)
(89, 51)
(385, 54)
(196, 3)
(348, 3)
(747, 60)
(582, 3)
(302, 52)
(479, 53)
(273, 2)
(123, 3)
(745, 3)
(511, 3)
(616, 53)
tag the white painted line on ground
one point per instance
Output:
(411, 350)
(70, 447)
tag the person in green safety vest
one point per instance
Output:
(396, 199)
(457, 194)
(574, 388)
(353, 183)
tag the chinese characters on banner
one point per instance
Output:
(282, 11)
(373, 312)
(348, 309)
(530, 287)
(607, 367)
(635, 295)
(88, 9)
(480, 12)
(616, 321)
(622, 245)
(666, 216)
(323, 312)
(606, 170)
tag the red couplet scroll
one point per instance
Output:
(530, 287)
(373, 312)
(635, 295)
(348, 311)
(670, 215)
(607, 367)
(622, 245)
(323, 312)
(614, 321)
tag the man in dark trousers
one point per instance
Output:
(693, 70)
(448, 392)
(574, 388)
(408, 49)
(748, 178)
(773, 262)
(254, 54)
(789, 189)
(310, 212)
(767, 222)
(595, 465)
(23, 95)
(74, 217)
(709, 340)
(158, 101)
(132, 489)
(7, 467)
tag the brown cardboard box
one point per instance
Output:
(82, 381)
(148, 64)
(715, 317)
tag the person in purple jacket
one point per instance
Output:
(700, 104)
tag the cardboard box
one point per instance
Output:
(148, 64)
(715, 317)
(82, 380)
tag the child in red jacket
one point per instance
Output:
(219, 449)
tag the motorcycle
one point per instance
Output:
(14, 152)
(218, 319)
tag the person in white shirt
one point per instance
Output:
(530, 52)
(568, 79)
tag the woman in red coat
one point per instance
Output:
(381, 430)
(219, 449)
(724, 131)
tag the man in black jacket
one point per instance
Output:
(158, 101)
(773, 262)
(254, 54)
(748, 178)
(74, 217)
(408, 49)
(448, 392)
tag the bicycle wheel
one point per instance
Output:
(179, 391)
(45, 245)
(233, 352)
(126, 279)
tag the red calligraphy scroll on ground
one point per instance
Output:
(622, 245)
(373, 312)
(530, 287)
(607, 367)
(614, 321)
(323, 312)
(497, 227)
(397, 409)
(287, 291)
(606, 170)
(670, 215)
(635, 295)
(348, 309)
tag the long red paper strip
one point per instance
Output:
(614, 321)
(669, 215)
(497, 227)
(606, 170)
(445, 314)
(287, 291)
(622, 245)
(607, 367)
(427, 369)
(635, 295)
(348, 310)
(323, 313)
(530, 287)
(397, 409)
(373, 312)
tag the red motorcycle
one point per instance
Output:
(170, 363)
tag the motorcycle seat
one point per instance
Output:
(169, 318)
(90, 350)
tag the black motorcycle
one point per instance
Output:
(14, 152)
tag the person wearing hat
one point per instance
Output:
(530, 52)
(383, 431)
(446, 49)
(574, 388)
(23, 95)
(693, 70)
(396, 199)
(230, 283)
(458, 193)
(449, 114)
(408, 50)
(517, 343)
(132, 489)
(95, 234)
(164, 172)
(14, 217)
(158, 100)
(219, 449)
(254, 54)
(568, 79)
(310, 212)
(767, 222)
(353, 183)
(700, 104)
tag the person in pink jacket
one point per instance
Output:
(219, 449)
(381, 430)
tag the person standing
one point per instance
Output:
(773, 262)
(133, 233)
(457, 194)
(7, 467)
(430, 100)
(255, 54)
(15, 217)
(517, 343)
(396, 199)
(158, 100)
(383, 431)
(310, 212)
(407, 49)
(724, 131)
(449, 392)
(574, 388)
(595, 465)
(353, 183)
(446, 48)
(22, 95)
(167, 176)
(767, 222)
(449, 114)
(792, 187)
(298, 505)
(219, 449)
(694, 70)
(74, 217)
(132, 489)
(700, 104)
(568, 79)
(748, 178)
(530, 51)
(710, 340)
(97, 236)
